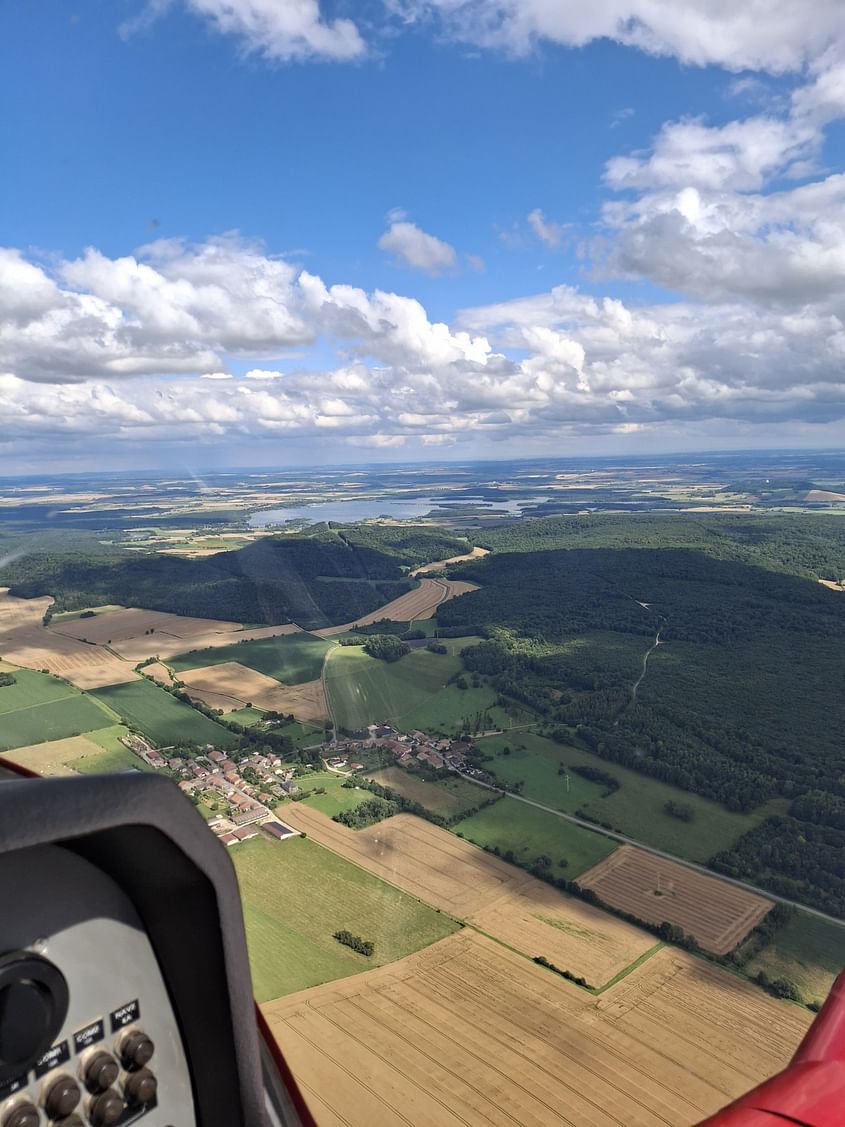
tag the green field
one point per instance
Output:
(32, 689)
(636, 809)
(291, 658)
(247, 717)
(297, 894)
(109, 763)
(411, 692)
(165, 720)
(39, 707)
(337, 797)
(450, 797)
(808, 951)
(530, 833)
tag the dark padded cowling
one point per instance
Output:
(141, 831)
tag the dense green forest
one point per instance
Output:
(743, 700)
(325, 576)
(811, 544)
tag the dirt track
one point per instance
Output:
(467, 1034)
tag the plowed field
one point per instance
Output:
(475, 886)
(653, 889)
(466, 1034)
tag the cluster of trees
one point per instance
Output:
(578, 979)
(387, 647)
(595, 775)
(362, 946)
(796, 859)
(367, 813)
(680, 810)
(7, 679)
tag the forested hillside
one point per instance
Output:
(326, 576)
(742, 700)
(811, 544)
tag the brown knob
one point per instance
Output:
(140, 1087)
(106, 1109)
(136, 1049)
(61, 1097)
(100, 1071)
(24, 1115)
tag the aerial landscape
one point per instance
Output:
(423, 446)
(575, 752)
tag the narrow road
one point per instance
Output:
(646, 656)
(657, 852)
(326, 657)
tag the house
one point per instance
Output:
(246, 832)
(229, 839)
(216, 756)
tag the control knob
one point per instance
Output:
(136, 1049)
(140, 1087)
(61, 1097)
(106, 1109)
(100, 1071)
(22, 1115)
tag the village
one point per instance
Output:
(234, 795)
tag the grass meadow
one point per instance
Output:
(635, 809)
(296, 894)
(290, 658)
(530, 833)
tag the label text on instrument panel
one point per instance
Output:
(88, 1036)
(125, 1015)
(59, 1054)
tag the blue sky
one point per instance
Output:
(680, 178)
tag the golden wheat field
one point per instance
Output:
(717, 914)
(417, 604)
(466, 1033)
(499, 899)
(25, 641)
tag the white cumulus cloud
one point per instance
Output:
(411, 246)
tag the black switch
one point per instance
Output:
(25, 1012)
(33, 1006)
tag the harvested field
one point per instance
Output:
(124, 623)
(52, 758)
(717, 914)
(25, 641)
(420, 603)
(472, 885)
(824, 495)
(467, 1034)
(475, 554)
(231, 686)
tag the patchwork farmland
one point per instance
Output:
(466, 1033)
(499, 899)
(717, 914)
